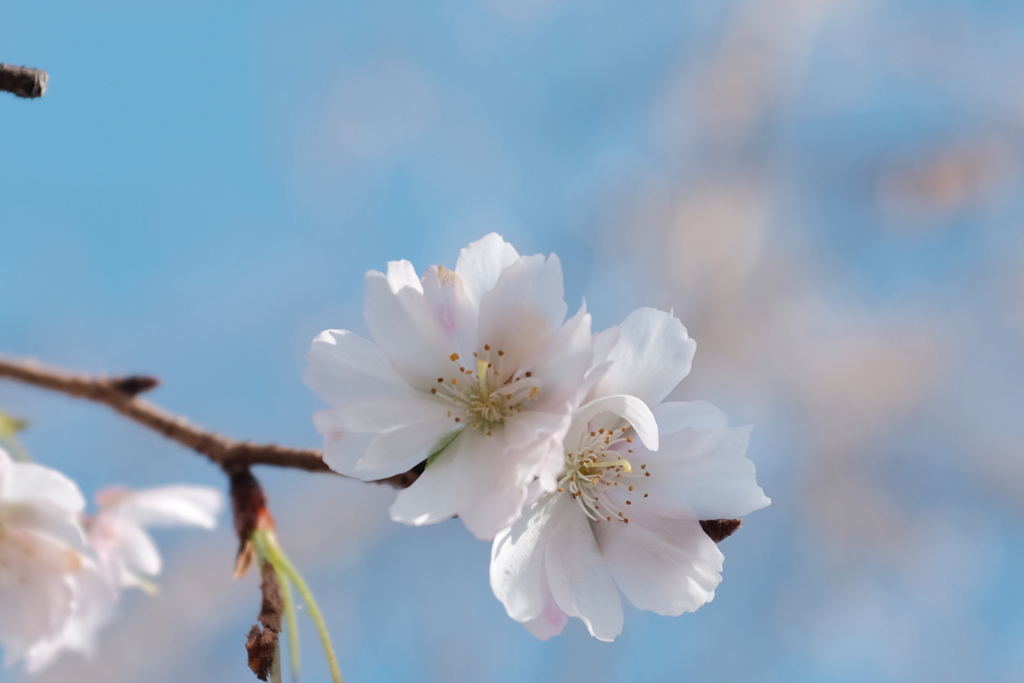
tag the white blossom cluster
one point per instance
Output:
(553, 442)
(63, 572)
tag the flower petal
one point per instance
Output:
(342, 448)
(135, 553)
(344, 368)
(450, 484)
(32, 484)
(674, 416)
(535, 446)
(481, 262)
(378, 439)
(405, 326)
(566, 364)
(652, 356)
(521, 314)
(662, 565)
(630, 408)
(170, 506)
(702, 475)
(457, 313)
(549, 622)
(577, 574)
(518, 575)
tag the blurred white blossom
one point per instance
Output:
(41, 544)
(121, 555)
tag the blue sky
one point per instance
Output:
(828, 194)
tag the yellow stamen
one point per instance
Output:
(481, 375)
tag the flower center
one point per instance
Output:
(484, 395)
(598, 477)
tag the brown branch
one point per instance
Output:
(120, 395)
(22, 81)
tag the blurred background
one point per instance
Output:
(828, 192)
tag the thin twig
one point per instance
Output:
(120, 395)
(22, 81)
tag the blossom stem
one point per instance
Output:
(292, 622)
(284, 566)
(275, 668)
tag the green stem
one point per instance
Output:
(275, 668)
(292, 622)
(283, 565)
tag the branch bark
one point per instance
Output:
(120, 394)
(22, 81)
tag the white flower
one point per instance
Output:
(41, 541)
(626, 518)
(127, 554)
(123, 556)
(473, 371)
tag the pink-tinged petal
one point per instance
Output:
(566, 363)
(342, 448)
(577, 574)
(524, 310)
(652, 356)
(667, 566)
(481, 262)
(457, 313)
(549, 622)
(343, 368)
(403, 323)
(698, 415)
(702, 475)
(629, 408)
(518, 575)
(170, 506)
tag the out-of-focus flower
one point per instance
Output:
(473, 371)
(123, 556)
(626, 518)
(126, 553)
(41, 543)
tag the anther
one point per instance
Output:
(454, 357)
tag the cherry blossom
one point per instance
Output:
(41, 545)
(625, 516)
(121, 555)
(475, 371)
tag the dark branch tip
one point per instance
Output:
(23, 81)
(720, 529)
(136, 384)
